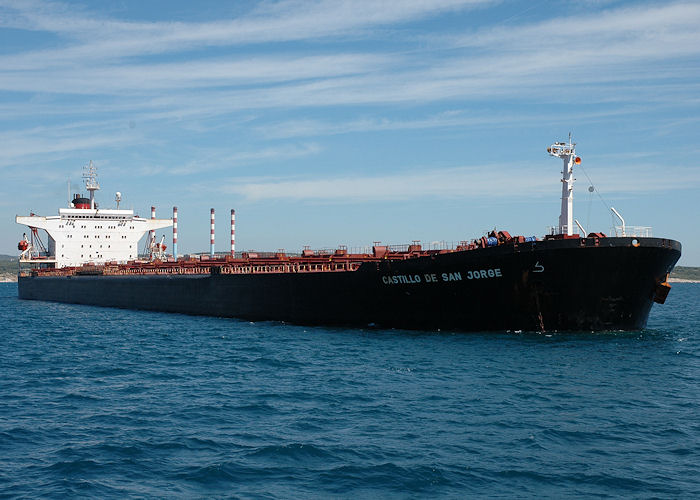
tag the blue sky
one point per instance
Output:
(347, 122)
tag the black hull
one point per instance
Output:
(553, 285)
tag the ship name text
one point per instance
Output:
(414, 279)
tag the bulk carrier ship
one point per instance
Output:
(565, 281)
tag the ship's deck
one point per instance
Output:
(308, 261)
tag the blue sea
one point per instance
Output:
(107, 403)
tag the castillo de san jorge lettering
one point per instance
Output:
(414, 279)
(402, 279)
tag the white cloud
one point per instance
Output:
(458, 118)
(484, 181)
(219, 160)
(532, 59)
(653, 24)
(552, 61)
(270, 22)
(45, 144)
(145, 78)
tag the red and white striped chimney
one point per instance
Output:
(152, 233)
(233, 233)
(175, 232)
(211, 243)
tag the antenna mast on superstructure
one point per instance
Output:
(90, 176)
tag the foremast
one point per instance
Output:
(567, 152)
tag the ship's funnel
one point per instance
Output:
(175, 232)
(233, 233)
(211, 241)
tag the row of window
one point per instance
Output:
(97, 236)
(110, 217)
(98, 256)
(61, 226)
(90, 246)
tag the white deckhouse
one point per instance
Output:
(86, 234)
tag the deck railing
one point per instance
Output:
(637, 231)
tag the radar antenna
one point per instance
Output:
(90, 176)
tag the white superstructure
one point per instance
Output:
(86, 233)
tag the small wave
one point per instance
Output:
(187, 444)
(80, 397)
(217, 475)
(261, 407)
(578, 438)
(73, 488)
(383, 477)
(21, 435)
(116, 450)
(111, 372)
(80, 466)
(293, 452)
(276, 363)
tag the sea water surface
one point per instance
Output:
(108, 403)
